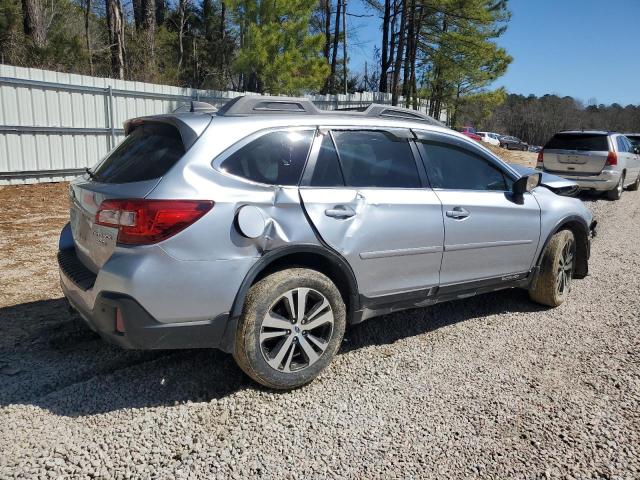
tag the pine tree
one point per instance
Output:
(278, 55)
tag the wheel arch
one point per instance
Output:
(314, 257)
(580, 231)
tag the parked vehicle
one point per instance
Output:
(471, 133)
(266, 227)
(595, 160)
(513, 143)
(535, 148)
(491, 138)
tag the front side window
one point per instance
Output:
(276, 158)
(371, 158)
(453, 168)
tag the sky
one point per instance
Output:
(587, 49)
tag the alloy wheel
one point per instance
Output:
(296, 330)
(565, 268)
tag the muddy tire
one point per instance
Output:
(292, 325)
(616, 192)
(556, 270)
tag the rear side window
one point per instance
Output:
(275, 158)
(376, 159)
(622, 145)
(146, 153)
(454, 168)
(578, 141)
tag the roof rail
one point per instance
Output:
(265, 105)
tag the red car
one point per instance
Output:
(471, 133)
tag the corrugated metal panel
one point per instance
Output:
(55, 101)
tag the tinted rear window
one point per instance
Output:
(580, 141)
(147, 153)
(634, 139)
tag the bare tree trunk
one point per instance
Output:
(327, 28)
(399, 55)
(221, 43)
(384, 57)
(149, 29)
(137, 14)
(87, 12)
(33, 22)
(161, 12)
(410, 18)
(115, 26)
(336, 38)
(392, 42)
(181, 12)
(344, 46)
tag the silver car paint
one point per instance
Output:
(196, 274)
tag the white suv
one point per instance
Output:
(491, 138)
(595, 160)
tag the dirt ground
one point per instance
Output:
(31, 217)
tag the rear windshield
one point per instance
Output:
(578, 141)
(147, 153)
(634, 139)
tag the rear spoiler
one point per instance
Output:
(190, 126)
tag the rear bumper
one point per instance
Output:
(606, 180)
(143, 332)
(139, 328)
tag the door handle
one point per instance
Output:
(340, 211)
(458, 213)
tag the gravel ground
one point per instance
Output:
(489, 387)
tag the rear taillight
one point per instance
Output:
(540, 158)
(143, 222)
(612, 158)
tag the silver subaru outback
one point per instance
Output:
(265, 227)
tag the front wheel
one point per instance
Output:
(292, 325)
(556, 270)
(616, 192)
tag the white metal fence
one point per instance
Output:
(53, 125)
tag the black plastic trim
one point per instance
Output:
(270, 257)
(433, 295)
(584, 251)
(143, 331)
(75, 270)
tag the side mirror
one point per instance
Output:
(526, 184)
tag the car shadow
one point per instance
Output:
(49, 358)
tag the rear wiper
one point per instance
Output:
(92, 175)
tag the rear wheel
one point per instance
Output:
(616, 192)
(292, 326)
(635, 185)
(556, 270)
